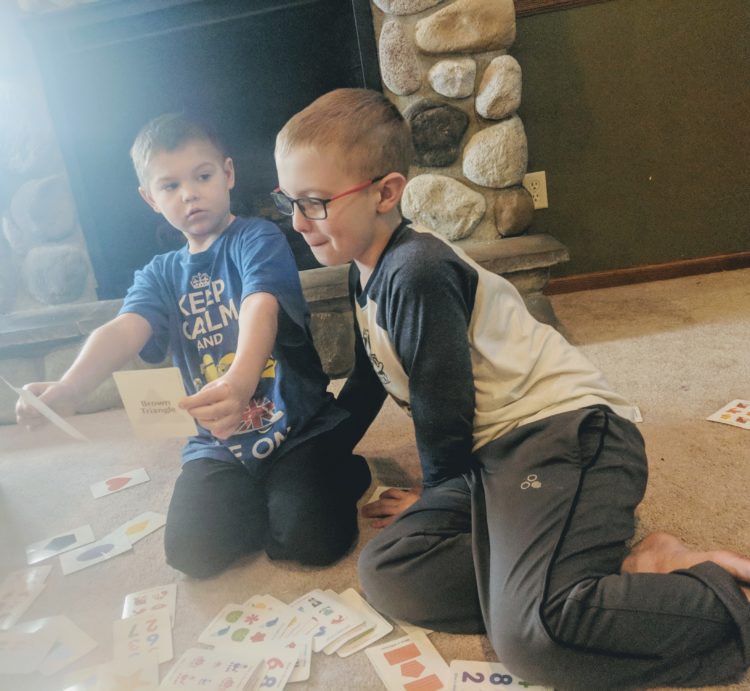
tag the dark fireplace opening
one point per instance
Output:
(244, 65)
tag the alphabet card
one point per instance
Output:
(150, 398)
(211, 670)
(52, 546)
(735, 413)
(141, 635)
(119, 482)
(410, 663)
(477, 675)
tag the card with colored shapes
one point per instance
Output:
(140, 635)
(119, 482)
(377, 626)
(735, 413)
(245, 625)
(21, 652)
(142, 525)
(18, 591)
(410, 663)
(70, 642)
(477, 675)
(150, 398)
(52, 546)
(333, 618)
(88, 555)
(47, 412)
(162, 597)
(211, 670)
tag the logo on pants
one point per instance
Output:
(531, 482)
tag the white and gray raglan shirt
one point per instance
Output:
(455, 346)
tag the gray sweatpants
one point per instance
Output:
(528, 547)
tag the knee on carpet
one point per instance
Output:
(312, 543)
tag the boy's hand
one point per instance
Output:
(218, 406)
(390, 504)
(57, 395)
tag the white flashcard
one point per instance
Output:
(17, 592)
(211, 670)
(379, 490)
(70, 642)
(378, 625)
(119, 482)
(408, 663)
(140, 673)
(476, 675)
(88, 555)
(63, 542)
(150, 398)
(151, 600)
(21, 652)
(735, 413)
(141, 634)
(140, 526)
(47, 412)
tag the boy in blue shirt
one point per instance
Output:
(266, 470)
(531, 465)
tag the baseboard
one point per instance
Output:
(650, 272)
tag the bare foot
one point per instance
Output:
(391, 503)
(664, 553)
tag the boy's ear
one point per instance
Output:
(146, 196)
(229, 172)
(391, 188)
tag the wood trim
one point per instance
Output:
(651, 272)
(526, 7)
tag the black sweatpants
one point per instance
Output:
(528, 547)
(302, 508)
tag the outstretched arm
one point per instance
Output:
(107, 349)
(219, 405)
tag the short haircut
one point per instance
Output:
(367, 129)
(166, 133)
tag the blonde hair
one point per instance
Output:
(367, 129)
(166, 133)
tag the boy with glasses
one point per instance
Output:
(531, 465)
(266, 469)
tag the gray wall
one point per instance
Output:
(639, 111)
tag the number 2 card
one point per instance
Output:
(477, 675)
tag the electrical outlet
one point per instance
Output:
(536, 184)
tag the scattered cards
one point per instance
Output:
(475, 675)
(88, 555)
(330, 617)
(410, 663)
(17, 592)
(70, 642)
(150, 398)
(151, 600)
(52, 546)
(119, 482)
(142, 525)
(247, 625)
(210, 670)
(735, 413)
(141, 635)
(21, 652)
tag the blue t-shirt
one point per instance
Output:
(192, 302)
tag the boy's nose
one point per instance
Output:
(299, 221)
(188, 193)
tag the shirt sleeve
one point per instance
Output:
(430, 306)
(146, 297)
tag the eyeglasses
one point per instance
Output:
(313, 208)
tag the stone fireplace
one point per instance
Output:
(74, 229)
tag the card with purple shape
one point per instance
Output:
(63, 542)
(88, 555)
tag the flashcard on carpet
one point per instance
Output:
(150, 398)
(88, 555)
(477, 675)
(735, 413)
(142, 634)
(151, 600)
(246, 625)
(347, 636)
(47, 412)
(70, 642)
(119, 482)
(377, 625)
(277, 666)
(52, 546)
(140, 526)
(302, 645)
(333, 617)
(210, 670)
(21, 652)
(17, 592)
(410, 663)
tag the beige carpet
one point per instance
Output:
(679, 349)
